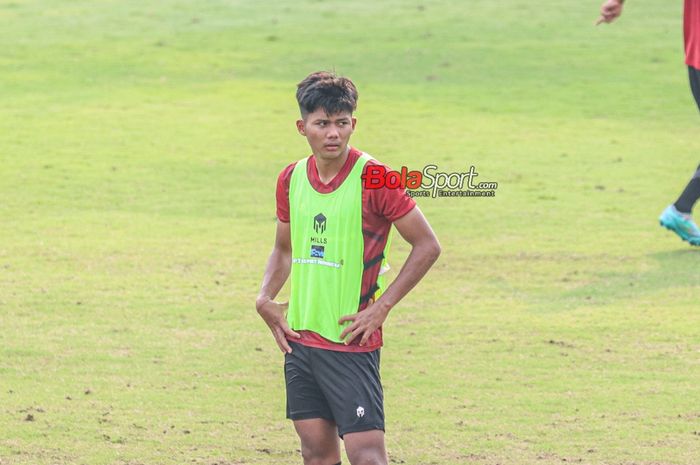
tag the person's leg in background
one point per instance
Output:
(677, 217)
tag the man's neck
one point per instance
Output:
(328, 169)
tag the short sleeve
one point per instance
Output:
(391, 204)
(282, 193)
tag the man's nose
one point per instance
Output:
(332, 133)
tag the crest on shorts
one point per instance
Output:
(360, 412)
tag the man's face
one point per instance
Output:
(328, 135)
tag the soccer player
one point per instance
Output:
(332, 235)
(676, 216)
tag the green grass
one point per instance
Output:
(139, 150)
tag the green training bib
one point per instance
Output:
(327, 252)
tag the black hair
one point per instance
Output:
(324, 89)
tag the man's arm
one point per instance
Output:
(425, 249)
(609, 11)
(276, 273)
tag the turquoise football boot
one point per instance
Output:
(681, 224)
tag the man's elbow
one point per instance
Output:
(433, 250)
(282, 249)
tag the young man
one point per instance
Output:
(331, 234)
(676, 217)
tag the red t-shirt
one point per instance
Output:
(380, 208)
(691, 33)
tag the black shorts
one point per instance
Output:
(344, 387)
(694, 75)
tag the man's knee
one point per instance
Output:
(366, 447)
(368, 457)
(319, 441)
(316, 456)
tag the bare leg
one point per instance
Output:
(319, 441)
(366, 448)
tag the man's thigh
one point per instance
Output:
(694, 75)
(305, 399)
(351, 384)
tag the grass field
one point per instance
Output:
(139, 148)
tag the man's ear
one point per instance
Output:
(300, 127)
(354, 122)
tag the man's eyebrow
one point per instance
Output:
(327, 120)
